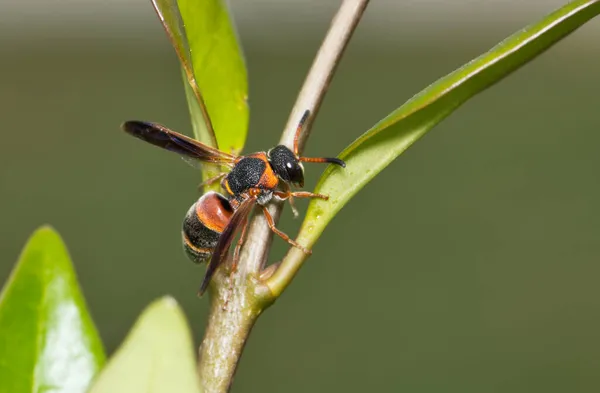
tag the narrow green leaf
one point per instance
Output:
(200, 126)
(156, 356)
(379, 146)
(219, 68)
(202, 134)
(217, 88)
(169, 15)
(48, 340)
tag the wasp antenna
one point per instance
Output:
(324, 160)
(304, 117)
(336, 161)
(301, 124)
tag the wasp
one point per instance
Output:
(212, 223)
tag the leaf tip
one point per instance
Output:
(165, 309)
(44, 250)
(166, 301)
(45, 231)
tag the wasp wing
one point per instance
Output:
(161, 136)
(227, 236)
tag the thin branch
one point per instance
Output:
(286, 272)
(232, 315)
(317, 81)
(310, 97)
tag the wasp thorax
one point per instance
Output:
(286, 165)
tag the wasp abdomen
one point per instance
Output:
(203, 225)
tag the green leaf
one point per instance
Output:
(169, 15)
(205, 41)
(379, 146)
(202, 134)
(156, 356)
(200, 127)
(48, 340)
(219, 69)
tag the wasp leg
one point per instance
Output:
(281, 234)
(236, 259)
(212, 180)
(287, 194)
(299, 194)
(236, 251)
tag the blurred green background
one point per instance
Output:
(469, 265)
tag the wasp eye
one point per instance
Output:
(295, 173)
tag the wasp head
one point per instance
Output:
(286, 165)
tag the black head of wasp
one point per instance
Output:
(211, 224)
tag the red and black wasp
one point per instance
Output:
(211, 224)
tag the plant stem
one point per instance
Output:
(222, 347)
(286, 272)
(317, 81)
(236, 304)
(233, 312)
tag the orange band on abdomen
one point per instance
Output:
(212, 212)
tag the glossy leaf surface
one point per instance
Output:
(48, 341)
(156, 356)
(203, 36)
(380, 145)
